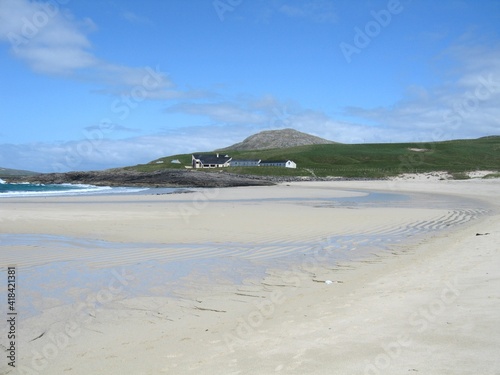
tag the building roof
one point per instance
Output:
(275, 161)
(212, 159)
(246, 160)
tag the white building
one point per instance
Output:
(210, 161)
(244, 163)
(278, 163)
(217, 161)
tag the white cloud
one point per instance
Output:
(50, 41)
(41, 35)
(466, 106)
(269, 113)
(56, 59)
(96, 152)
(143, 83)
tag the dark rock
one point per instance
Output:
(162, 178)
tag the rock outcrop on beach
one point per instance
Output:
(160, 178)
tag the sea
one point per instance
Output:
(25, 189)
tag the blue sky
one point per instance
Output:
(100, 84)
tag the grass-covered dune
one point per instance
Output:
(362, 160)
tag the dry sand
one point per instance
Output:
(430, 305)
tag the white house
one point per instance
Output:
(210, 161)
(278, 163)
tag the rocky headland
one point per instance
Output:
(160, 178)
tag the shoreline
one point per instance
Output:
(291, 320)
(192, 178)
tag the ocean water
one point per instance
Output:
(33, 190)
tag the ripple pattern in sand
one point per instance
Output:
(299, 240)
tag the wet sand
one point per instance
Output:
(281, 279)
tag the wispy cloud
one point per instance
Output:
(51, 41)
(134, 18)
(115, 127)
(320, 11)
(148, 83)
(44, 38)
(222, 112)
(265, 113)
(466, 106)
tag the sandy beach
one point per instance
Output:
(357, 277)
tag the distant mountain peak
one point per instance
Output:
(281, 138)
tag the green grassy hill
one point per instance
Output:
(6, 172)
(363, 160)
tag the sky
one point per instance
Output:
(94, 84)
